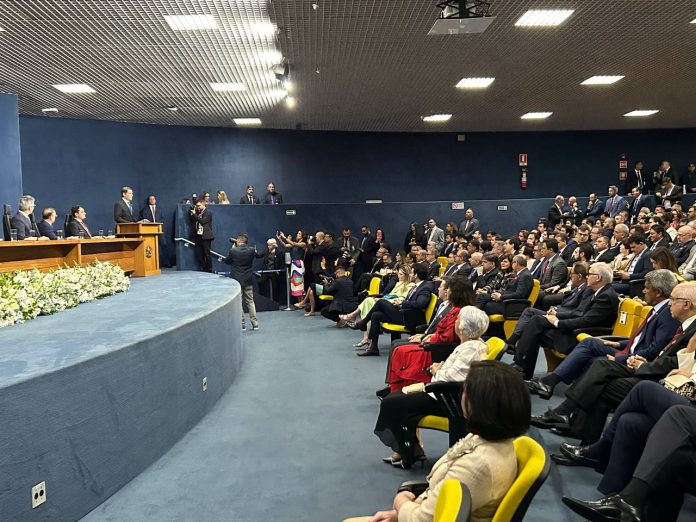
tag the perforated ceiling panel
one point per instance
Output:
(355, 64)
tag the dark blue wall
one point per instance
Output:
(10, 162)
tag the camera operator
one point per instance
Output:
(202, 222)
(241, 258)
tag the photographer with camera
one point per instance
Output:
(202, 222)
(241, 258)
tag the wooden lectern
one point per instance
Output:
(150, 233)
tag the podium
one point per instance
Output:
(149, 233)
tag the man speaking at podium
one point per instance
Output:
(123, 210)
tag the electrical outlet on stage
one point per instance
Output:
(205, 384)
(38, 494)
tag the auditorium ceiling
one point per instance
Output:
(356, 65)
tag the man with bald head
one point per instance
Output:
(683, 245)
(555, 213)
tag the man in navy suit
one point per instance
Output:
(384, 311)
(638, 268)
(614, 203)
(595, 207)
(123, 210)
(150, 211)
(519, 288)
(46, 225)
(21, 221)
(652, 335)
(637, 204)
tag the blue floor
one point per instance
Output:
(292, 440)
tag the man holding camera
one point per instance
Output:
(241, 258)
(202, 222)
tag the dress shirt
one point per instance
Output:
(637, 258)
(653, 313)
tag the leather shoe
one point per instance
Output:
(609, 508)
(537, 387)
(370, 350)
(575, 456)
(550, 419)
(510, 349)
(383, 392)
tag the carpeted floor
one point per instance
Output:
(292, 440)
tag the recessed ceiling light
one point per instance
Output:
(693, 21)
(74, 88)
(228, 86)
(315, 6)
(191, 22)
(289, 86)
(1, 29)
(436, 118)
(49, 110)
(262, 29)
(291, 102)
(247, 121)
(602, 80)
(544, 17)
(270, 57)
(641, 113)
(474, 83)
(536, 115)
(172, 108)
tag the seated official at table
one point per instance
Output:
(45, 226)
(77, 225)
(21, 222)
(123, 210)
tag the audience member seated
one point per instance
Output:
(249, 198)
(639, 267)
(272, 197)
(400, 412)
(432, 265)
(618, 234)
(552, 331)
(566, 247)
(488, 273)
(682, 247)
(663, 258)
(77, 226)
(222, 198)
(517, 285)
(622, 260)
(21, 221)
(652, 335)
(45, 226)
(555, 296)
(554, 271)
(607, 382)
(362, 282)
(341, 288)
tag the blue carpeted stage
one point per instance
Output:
(92, 396)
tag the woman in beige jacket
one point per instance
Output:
(497, 410)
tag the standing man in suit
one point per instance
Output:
(519, 287)
(45, 226)
(21, 221)
(636, 178)
(349, 246)
(241, 259)
(654, 333)
(614, 203)
(555, 213)
(436, 235)
(690, 178)
(595, 207)
(123, 209)
(469, 225)
(639, 267)
(573, 211)
(78, 225)
(368, 248)
(607, 382)
(202, 222)
(670, 193)
(637, 203)
(272, 197)
(552, 332)
(249, 198)
(150, 212)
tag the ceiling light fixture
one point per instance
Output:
(228, 87)
(291, 102)
(191, 22)
(74, 88)
(544, 17)
(172, 108)
(436, 118)
(474, 83)
(602, 80)
(536, 115)
(262, 29)
(693, 21)
(49, 110)
(1, 29)
(289, 86)
(641, 113)
(315, 6)
(247, 121)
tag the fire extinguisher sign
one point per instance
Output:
(523, 170)
(523, 160)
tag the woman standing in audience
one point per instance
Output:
(497, 409)
(297, 247)
(222, 198)
(415, 237)
(381, 240)
(400, 412)
(623, 260)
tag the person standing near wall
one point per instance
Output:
(241, 258)
(202, 221)
(123, 210)
(272, 197)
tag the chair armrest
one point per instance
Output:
(421, 328)
(594, 331)
(513, 308)
(616, 338)
(414, 486)
(439, 351)
(449, 394)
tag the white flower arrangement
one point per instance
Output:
(26, 294)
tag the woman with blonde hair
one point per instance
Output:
(222, 198)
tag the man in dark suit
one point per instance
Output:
(77, 225)
(249, 198)
(432, 265)
(45, 226)
(489, 271)
(658, 237)
(21, 221)
(637, 203)
(555, 213)
(241, 259)
(638, 268)
(669, 194)
(681, 248)
(272, 197)
(385, 311)
(606, 383)
(341, 288)
(654, 333)
(123, 209)
(689, 178)
(555, 271)
(566, 247)
(368, 247)
(603, 254)
(519, 287)
(150, 211)
(636, 178)
(272, 260)
(202, 223)
(552, 332)
(349, 247)
(469, 225)
(594, 208)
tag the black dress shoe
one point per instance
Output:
(544, 391)
(550, 419)
(611, 508)
(572, 455)
(531, 386)
(383, 392)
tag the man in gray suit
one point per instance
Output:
(21, 221)
(436, 235)
(469, 225)
(555, 272)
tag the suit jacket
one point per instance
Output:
(368, 246)
(436, 235)
(241, 261)
(615, 205)
(433, 270)
(46, 229)
(535, 270)
(636, 205)
(75, 227)
(438, 315)
(447, 249)
(664, 242)
(247, 200)
(655, 336)
(341, 289)
(567, 252)
(554, 216)
(205, 219)
(574, 302)
(667, 360)
(267, 199)
(681, 252)
(146, 213)
(643, 266)
(22, 224)
(675, 195)
(519, 287)
(595, 210)
(419, 298)
(123, 214)
(353, 247)
(556, 273)
(485, 279)
(469, 226)
(605, 257)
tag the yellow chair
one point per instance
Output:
(453, 502)
(627, 321)
(375, 283)
(510, 322)
(532, 471)
(443, 261)
(435, 422)
(330, 297)
(397, 329)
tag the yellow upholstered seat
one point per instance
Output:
(374, 286)
(443, 261)
(453, 502)
(399, 328)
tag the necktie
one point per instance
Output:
(630, 346)
(545, 265)
(640, 179)
(680, 331)
(84, 225)
(130, 208)
(154, 209)
(272, 199)
(251, 201)
(610, 205)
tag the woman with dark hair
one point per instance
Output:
(497, 410)
(400, 412)
(298, 247)
(409, 362)
(415, 237)
(381, 240)
(661, 257)
(623, 260)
